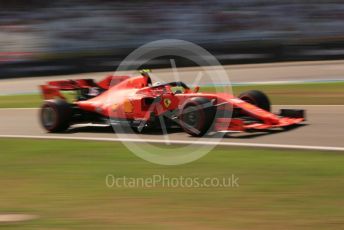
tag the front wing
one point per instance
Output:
(242, 124)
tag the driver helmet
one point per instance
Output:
(145, 73)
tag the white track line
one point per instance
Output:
(157, 141)
(17, 108)
(310, 105)
(272, 105)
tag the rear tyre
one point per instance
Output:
(197, 116)
(256, 98)
(56, 115)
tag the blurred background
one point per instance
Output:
(45, 37)
(62, 183)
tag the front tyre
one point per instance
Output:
(256, 98)
(55, 115)
(197, 116)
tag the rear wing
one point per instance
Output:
(53, 89)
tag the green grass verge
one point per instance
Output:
(27, 100)
(20, 101)
(298, 94)
(290, 94)
(64, 183)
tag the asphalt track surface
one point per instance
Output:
(237, 74)
(322, 130)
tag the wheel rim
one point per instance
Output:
(192, 118)
(48, 116)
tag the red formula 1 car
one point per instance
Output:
(139, 104)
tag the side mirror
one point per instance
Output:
(196, 89)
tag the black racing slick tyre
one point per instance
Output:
(256, 98)
(197, 116)
(55, 115)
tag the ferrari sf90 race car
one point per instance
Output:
(137, 103)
